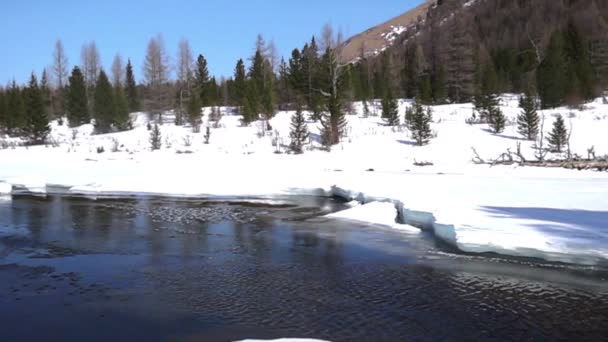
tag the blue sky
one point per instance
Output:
(222, 30)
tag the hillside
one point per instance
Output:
(377, 38)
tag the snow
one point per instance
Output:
(374, 213)
(5, 188)
(554, 214)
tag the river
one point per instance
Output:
(194, 270)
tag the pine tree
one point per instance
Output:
(16, 113)
(3, 109)
(333, 122)
(194, 113)
(390, 109)
(251, 104)
(202, 81)
(37, 119)
(131, 89)
(240, 84)
(496, 118)
(46, 92)
(103, 105)
(268, 98)
(528, 120)
(121, 120)
(580, 81)
(76, 99)
(418, 121)
(296, 77)
(312, 74)
(551, 73)
(299, 131)
(558, 136)
(440, 92)
(155, 138)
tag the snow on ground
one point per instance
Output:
(555, 214)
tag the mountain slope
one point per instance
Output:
(377, 38)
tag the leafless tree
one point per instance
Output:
(117, 70)
(91, 63)
(273, 55)
(156, 75)
(60, 65)
(185, 62)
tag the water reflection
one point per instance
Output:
(221, 272)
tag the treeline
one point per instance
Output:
(556, 49)
(455, 55)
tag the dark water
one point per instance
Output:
(165, 270)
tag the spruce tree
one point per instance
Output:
(496, 118)
(76, 99)
(419, 123)
(121, 120)
(299, 131)
(551, 73)
(580, 84)
(16, 114)
(390, 109)
(202, 81)
(528, 120)
(194, 113)
(155, 138)
(440, 92)
(103, 104)
(251, 107)
(37, 119)
(3, 109)
(46, 92)
(296, 77)
(558, 136)
(333, 122)
(131, 89)
(240, 84)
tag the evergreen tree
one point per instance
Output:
(299, 131)
(268, 99)
(390, 109)
(37, 119)
(103, 104)
(558, 136)
(202, 81)
(121, 120)
(155, 138)
(333, 122)
(496, 118)
(580, 84)
(194, 113)
(551, 73)
(296, 77)
(425, 90)
(131, 89)
(440, 92)
(528, 120)
(46, 92)
(16, 113)
(256, 73)
(240, 84)
(76, 99)
(312, 74)
(251, 104)
(284, 89)
(418, 121)
(3, 109)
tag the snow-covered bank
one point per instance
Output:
(555, 214)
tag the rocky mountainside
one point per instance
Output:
(378, 38)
